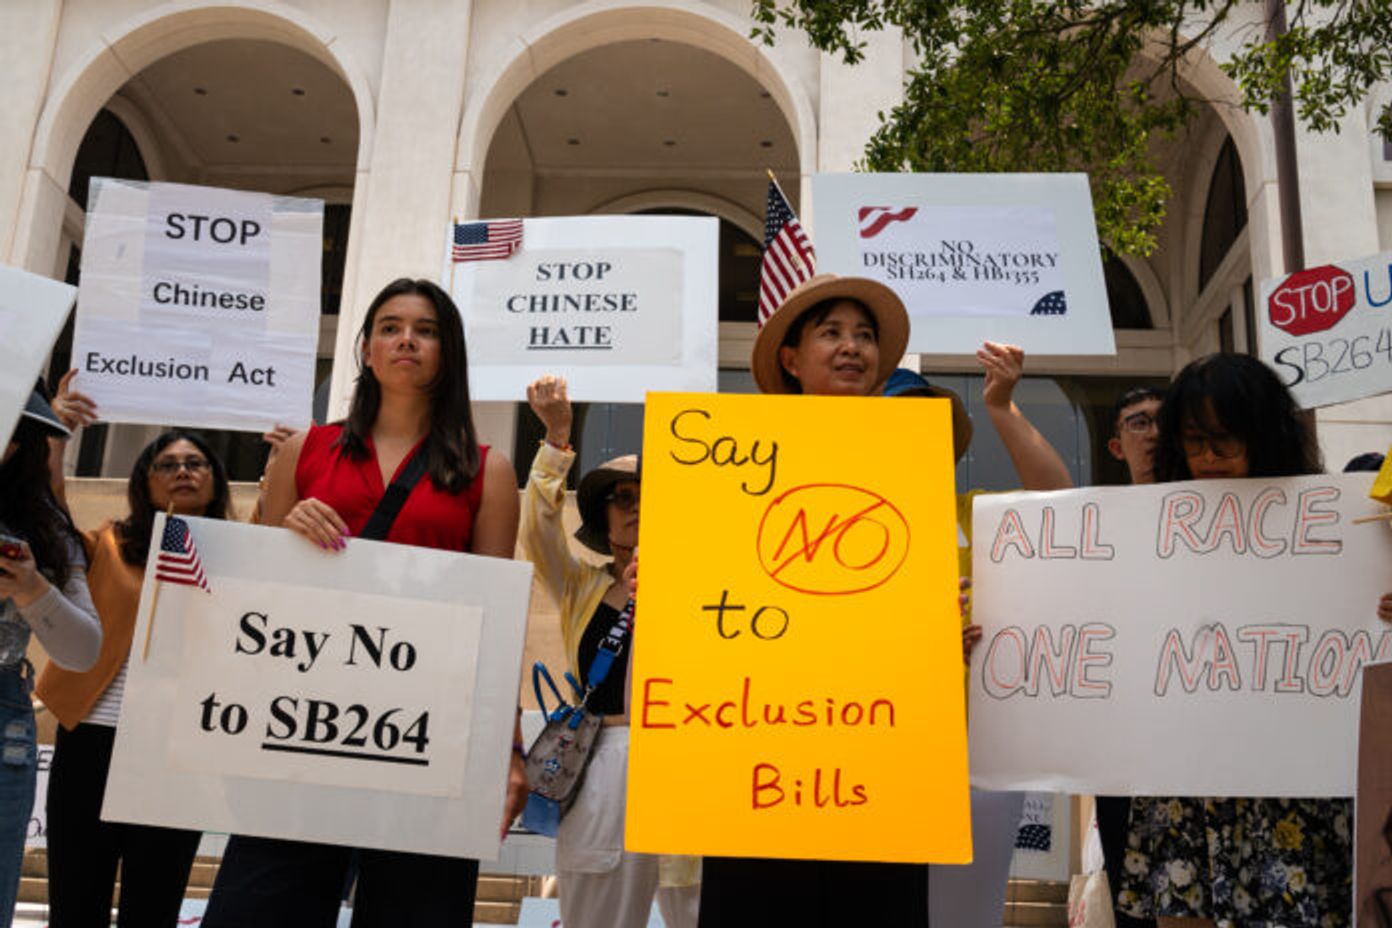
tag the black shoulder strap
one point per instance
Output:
(380, 522)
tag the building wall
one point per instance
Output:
(433, 81)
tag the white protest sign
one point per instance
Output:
(32, 312)
(1007, 257)
(365, 697)
(618, 305)
(198, 306)
(1328, 330)
(1199, 638)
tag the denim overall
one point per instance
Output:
(18, 768)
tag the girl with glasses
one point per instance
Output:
(1236, 863)
(43, 590)
(176, 471)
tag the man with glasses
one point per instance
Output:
(1134, 436)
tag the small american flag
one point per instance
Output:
(178, 560)
(788, 255)
(486, 241)
(1051, 304)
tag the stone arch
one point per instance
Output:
(597, 23)
(126, 49)
(747, 222)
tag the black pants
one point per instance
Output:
(1113, 817)
(269, 883)
(760, 893)
(83, 850)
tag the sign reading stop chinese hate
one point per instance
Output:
(1328, 330)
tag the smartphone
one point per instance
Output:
(11, 547)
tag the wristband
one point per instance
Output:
(565, 447)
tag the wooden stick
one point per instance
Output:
(1380, 517)
(154, 597)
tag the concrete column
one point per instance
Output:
(852, 96)
(1336, 183)
(28, 36)
(402, 203)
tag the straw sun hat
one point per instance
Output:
(882, 303)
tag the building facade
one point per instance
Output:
(403, 114)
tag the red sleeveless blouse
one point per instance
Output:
(430, 518)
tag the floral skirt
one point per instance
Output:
(1245, 863)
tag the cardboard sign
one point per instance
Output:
(198, 306)
(32, 312)
(1328, 330)
(365, 697)
(1006, 257)
(616, 304)
(1129, 630)
(798, 632)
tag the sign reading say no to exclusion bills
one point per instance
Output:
(617, 304)
(797, 678)
(1328, 330)
(198, 306)
(1199, 638)
(364, 698)
(1007, 257)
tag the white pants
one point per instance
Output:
(601, 884)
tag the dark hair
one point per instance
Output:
(1248, 400)
(814, 316)
(29, 509)
(451, 446)
(1131, 398)
(133, 532)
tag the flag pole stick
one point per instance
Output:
(154, 600)
(1380, 517)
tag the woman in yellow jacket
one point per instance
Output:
(601, 884)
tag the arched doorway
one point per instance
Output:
(254, 102)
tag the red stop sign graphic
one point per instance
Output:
(1313, 300)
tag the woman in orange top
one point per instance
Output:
(177, 470)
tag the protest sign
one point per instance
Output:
(1372, 869)
(799, 632)
(1006, 257)
(618, 305)
(1197, 638)
(32, 312)
(1328, 330)
(198, 306)
(364, 697)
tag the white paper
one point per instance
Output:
(1328, 330)
(450, 630)
(1130, 630)
(618, 305)
(198, 306)
(1007, 257)
(32, 312)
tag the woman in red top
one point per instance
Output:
(412, 397)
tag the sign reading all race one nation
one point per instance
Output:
(32, 312)
(800, 632)
(1006, 257)
(1220, 619)
(1328, 330)
(198, 306)
(363, 697)
(618, 305)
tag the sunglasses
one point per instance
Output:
(627, 500)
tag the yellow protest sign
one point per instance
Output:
(1382, 484)
(797, 678)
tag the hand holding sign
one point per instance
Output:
(72, 408)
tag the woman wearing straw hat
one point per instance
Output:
(845, 336)
(601, 884)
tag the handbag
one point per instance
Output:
(558, 757)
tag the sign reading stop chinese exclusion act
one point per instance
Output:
(797, 691)
(198, 306)
(1328, 330)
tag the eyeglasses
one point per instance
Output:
(168, 467)
(627, 500)
(1139, 423)
(1224, 444)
